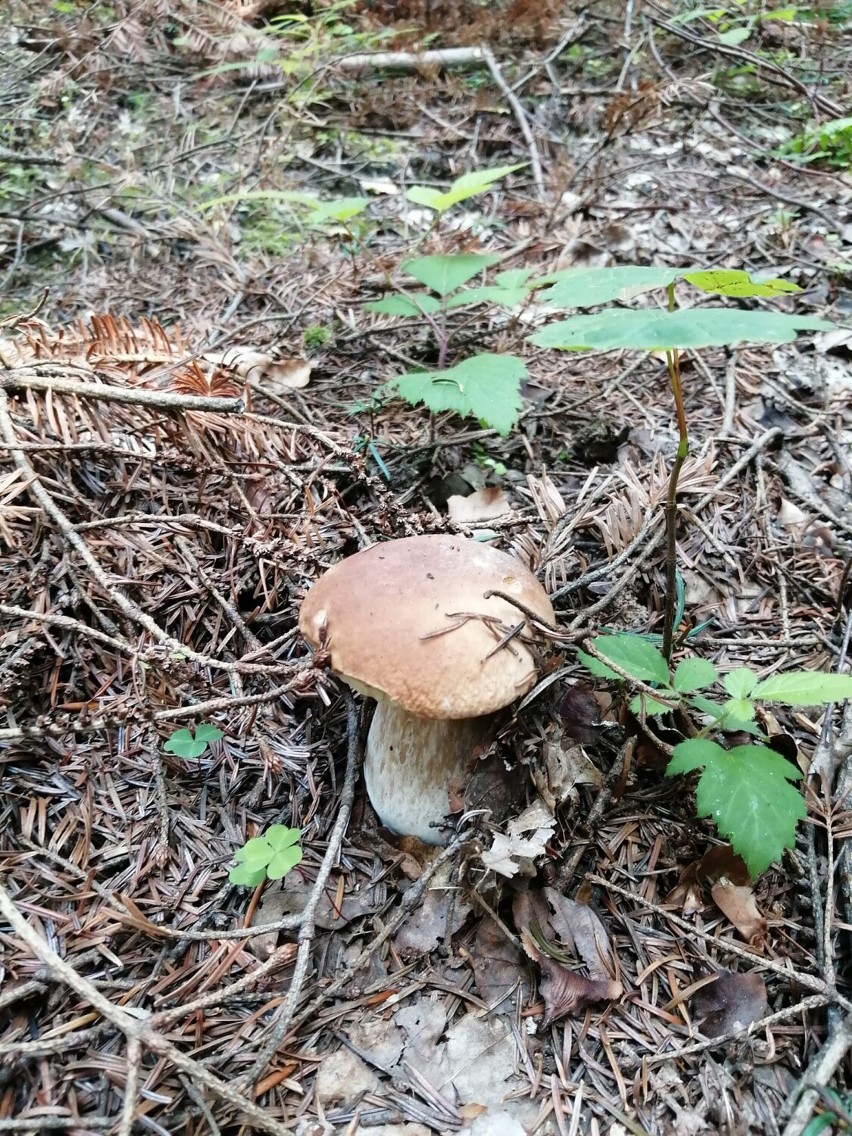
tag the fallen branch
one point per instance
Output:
(412, 60)
(26, 377)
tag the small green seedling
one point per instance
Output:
(746, 789)
(270, 856)
(830, 143)
(485, 386)
(185, 744)
(464, 187)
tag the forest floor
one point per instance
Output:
(155, 554)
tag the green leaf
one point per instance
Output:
(484, 386)
(740, 683)
(651, 707)
(247, 877)
(488, 294)
(279, 836)
(255, 853)
(747, 794)
(283, 862)
(635, 655)
(734, 36)
(654, 330)
(737, 711)
(184, 744)
(694, 674)
(414, 304)
(513, 278)
(804, 688)
(734, 282)
(587, 287)
(443, 274)
(341, 210)
(598, 669)
(468, 185)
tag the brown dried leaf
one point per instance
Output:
(436, 919)
(731, 1003)
(567, 926)
(738, 903)
(565, 766)
(499, 968)
(581, 713)
(482, 505)
(563, 990)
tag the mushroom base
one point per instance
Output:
(410, 763)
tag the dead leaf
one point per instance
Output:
(295, 890)
(581, 713)
(738, 903)
(566, 927)
(274, 906)
(719, 862)
(482, 505)
(252, 365)
(499, 969)
(427, 927)
(731, 1003)
(527, 837)
(565, 766)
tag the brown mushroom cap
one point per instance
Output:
(377, 607)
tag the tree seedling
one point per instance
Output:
(669, 330)
(270, 856)
(185, 744)
(745, 790)
(484, 386)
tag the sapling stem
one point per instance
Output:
(673, 363)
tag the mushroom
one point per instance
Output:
(408, 623)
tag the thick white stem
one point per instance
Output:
(410, 763)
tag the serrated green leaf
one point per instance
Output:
(484, 386)
(490, 294)
(706, 706)
(597, 668)
(804, 688)
(694, 674)
(588, 287)
(746, 792)
(735, 282)
(635, 655)
(283, 862)
(654, 330)
(443, 274)
(740, 683)
(737, 711)
(247, 877)
(414, 304)
(468, 185)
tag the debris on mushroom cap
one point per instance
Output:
(379, 611)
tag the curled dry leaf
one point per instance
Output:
(251, 365)
(563, 925)
(740, 906)
(731, 1003)
(720, 862)
(563, 990)
(482, 505)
